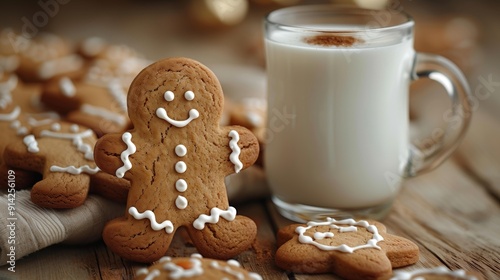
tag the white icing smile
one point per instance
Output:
(162, 113)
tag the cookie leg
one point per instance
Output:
(60, 190)
(225, 239)
(134, 240)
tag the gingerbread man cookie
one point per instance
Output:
(351, 249)
(100, 108)
(176, 159)
(195, 267)
(63, 153)
(19, 112)
(117, 64)
(9, 58)
(48, 56)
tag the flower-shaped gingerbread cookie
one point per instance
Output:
(176, 158)
(351, 249)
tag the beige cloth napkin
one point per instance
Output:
(37, 228)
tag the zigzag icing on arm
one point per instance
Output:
(215, 214)
(75, 170)
(131, 149)
(148, 214)
(235, 155)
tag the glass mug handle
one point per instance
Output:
(443, 71)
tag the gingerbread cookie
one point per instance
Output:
(97, 48)
(19, 112)
(176, 159)
(195, 267)
(437, 273)
(48, 56)
(103, 109)
(117, 64)
(250, 113)
(351, 249)
(9, 60)
(63, 153)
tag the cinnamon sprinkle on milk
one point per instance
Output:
(332, 40)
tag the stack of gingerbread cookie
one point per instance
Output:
(56, 98)
(75, 123)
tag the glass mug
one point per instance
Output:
(338, 110)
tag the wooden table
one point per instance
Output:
(453, 214)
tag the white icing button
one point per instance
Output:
(181, 202)
(180, 167)
(168, 95)
(180, 150)
(181, 185)
(189, 95)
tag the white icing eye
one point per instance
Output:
(168, 95)
(56, 127)
(74, 128)
(189, 95)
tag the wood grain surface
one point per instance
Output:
(452, 216)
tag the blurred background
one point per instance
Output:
(229, 33)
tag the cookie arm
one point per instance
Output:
(16, 155)
(107, 152)
(243, 148)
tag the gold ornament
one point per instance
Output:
(218, 13)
